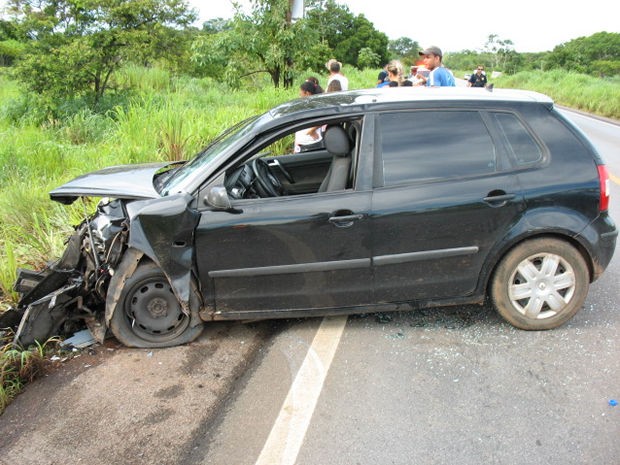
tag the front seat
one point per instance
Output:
(339, 145)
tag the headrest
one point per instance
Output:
(336, 141)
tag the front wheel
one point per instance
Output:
(148, 313)
(540, 284)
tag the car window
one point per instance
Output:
(434, 144)
(280, 167)
(517, 139)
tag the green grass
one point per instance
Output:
(19, 367)
(579, 91)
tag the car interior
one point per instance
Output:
(277, 171)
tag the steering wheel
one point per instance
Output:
(283, 170)
(267, 184)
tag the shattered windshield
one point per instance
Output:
(184, 175)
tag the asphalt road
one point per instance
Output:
(441, 386)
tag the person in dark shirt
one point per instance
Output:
(478, 79)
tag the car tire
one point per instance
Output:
(540, 284)
(149, 315)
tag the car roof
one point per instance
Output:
(403, 95)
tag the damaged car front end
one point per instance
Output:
(128, 268)
(106, 248)
(67, 292)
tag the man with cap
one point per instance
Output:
(334, 67)
(439, 75)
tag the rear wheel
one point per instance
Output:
(148, 313)
(540, 284)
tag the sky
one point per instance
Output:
(455, 25)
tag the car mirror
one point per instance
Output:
(218, 198)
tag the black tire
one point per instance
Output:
(540, 284)
(148, 314)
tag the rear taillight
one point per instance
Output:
(603, 178)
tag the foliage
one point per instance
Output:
(405, 49)
(78, 45)
(365, 36)
(575, 90)
(598, 54)
(268, 41)
(20, 366)
(10, 51)
(345, 34)
(213, 26)
(368, 59)
(502, 53)
(265, 41)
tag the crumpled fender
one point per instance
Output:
(126, 268)
(163, 230)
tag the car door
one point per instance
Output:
(286, 254)
(443, 198)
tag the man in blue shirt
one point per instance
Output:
(439, 75)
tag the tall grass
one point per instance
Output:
(19, 367)
(168, 118)
(587, 93)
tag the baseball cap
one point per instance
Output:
(432, 50)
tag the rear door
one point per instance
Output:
(444, 195)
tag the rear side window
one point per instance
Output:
(434, 144)
(517, 139)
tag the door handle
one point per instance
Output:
(345, 221)
(499, 200)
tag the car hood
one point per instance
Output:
(121, 182)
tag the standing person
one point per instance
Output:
(308, 138)
(334, 86)
(382, 77)
(395, 75)
(308, 88)
(335, 72)
(315, 81)
(439, 75)
(477, 79)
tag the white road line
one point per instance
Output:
(289, 430)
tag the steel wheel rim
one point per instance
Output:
(542, 286)
(154, 311)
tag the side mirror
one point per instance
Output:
(218, 198)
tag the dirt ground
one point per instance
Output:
(128, 406)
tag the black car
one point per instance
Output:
(416, 197)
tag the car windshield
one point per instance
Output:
(179, 177)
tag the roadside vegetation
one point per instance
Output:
(20, 366)
(73, 99)
(579, 91)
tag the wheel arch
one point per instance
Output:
(130, 262)
(507, 247)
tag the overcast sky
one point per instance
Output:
(454, 25)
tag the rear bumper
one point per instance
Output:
(601, 235)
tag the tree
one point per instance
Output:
(368, 59)
(365, 36)
(76, 46)
(405, 49)
(598, 53)
(500, 50)
(266, 41)
(345, 33)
